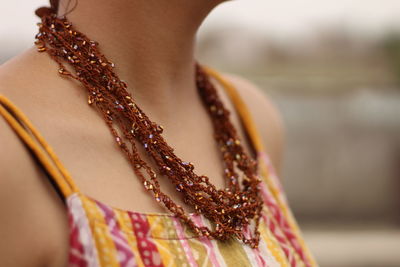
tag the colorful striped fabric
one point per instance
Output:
(101, 235)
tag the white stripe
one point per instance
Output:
(79, 218)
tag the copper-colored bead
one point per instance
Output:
(90, 100)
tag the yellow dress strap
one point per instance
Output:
(267, 170)
(241, 108)
(36, 143)
(250, 126)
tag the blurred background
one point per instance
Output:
(333, 70)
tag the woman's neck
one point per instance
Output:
(151, 41)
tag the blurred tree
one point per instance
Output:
(391, 45)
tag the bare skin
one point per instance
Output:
(154, 54)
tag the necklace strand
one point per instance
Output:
(230, 210)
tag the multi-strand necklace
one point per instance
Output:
(234, 210)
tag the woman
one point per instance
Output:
(68, 197)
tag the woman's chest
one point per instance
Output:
(104, 236)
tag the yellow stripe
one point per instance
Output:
(293, 225)
(233, 253)
(126, 226)
(170, 249)
(273, 245)
(104, 243)
(199, 252)
(168, 252)
(289, 245)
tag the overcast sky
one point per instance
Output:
(301, 16)
(282, 17)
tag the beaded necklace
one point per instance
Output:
(230, 210)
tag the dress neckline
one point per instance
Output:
(144, 213)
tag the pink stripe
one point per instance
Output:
(271, 169)
(83, 244)
(256, 251)
(147, 249)
(76, 253)
(281, 220)
(184, 242)
(293, 262)
(265, 252)
(283, 225)
(279, 237)
(124, 252)
(210, 247)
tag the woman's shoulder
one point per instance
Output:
(27, 203)
(15, 87)
(13, 152)
(20, 225)
(265, 113)
(32, 215)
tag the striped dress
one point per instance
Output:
(101, 235)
